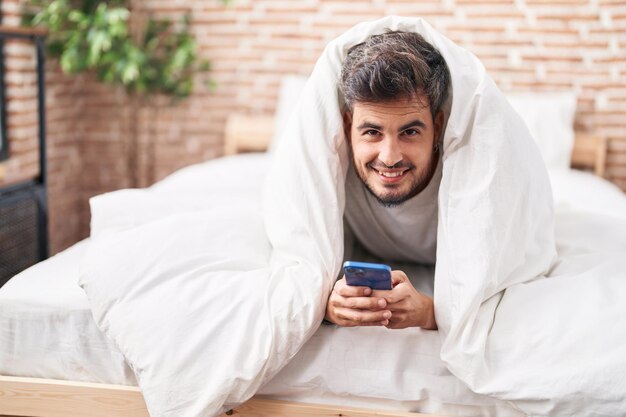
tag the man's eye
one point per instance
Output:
(371, 132)
(411, 132)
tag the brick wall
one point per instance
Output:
(526, 45)
(99, 140)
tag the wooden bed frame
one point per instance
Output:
(35, 397)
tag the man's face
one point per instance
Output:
(393, 147)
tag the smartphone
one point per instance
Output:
(365, 274)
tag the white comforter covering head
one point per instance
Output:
(207, 300)
(495, 206)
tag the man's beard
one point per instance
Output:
(420, 182)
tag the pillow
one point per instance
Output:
(550, 119)
(291, 87)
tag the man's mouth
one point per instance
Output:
(391, 176)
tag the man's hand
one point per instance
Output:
(354, 306)
(409, 307)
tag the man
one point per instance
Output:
(394, 85)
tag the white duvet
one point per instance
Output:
(207, 300)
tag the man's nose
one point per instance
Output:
(390, 152)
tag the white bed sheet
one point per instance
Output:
(47, 330)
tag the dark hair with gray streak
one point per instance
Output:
(395, 65)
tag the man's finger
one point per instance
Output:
(396, 325)
(361, 303)
(346, 290)
(364, 303)
(346, 323)
(362, 317)
(394, 296)
(397, 317)
(397, 277)
(401, 305)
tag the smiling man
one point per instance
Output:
(394, 86)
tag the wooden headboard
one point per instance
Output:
(589, 153)
(247, 133)
(254, 134)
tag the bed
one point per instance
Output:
(55, 362)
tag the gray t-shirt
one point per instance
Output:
(405, 233)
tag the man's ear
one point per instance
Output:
(347, 124)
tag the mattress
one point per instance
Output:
(47, 330)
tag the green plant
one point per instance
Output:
(95, 35)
